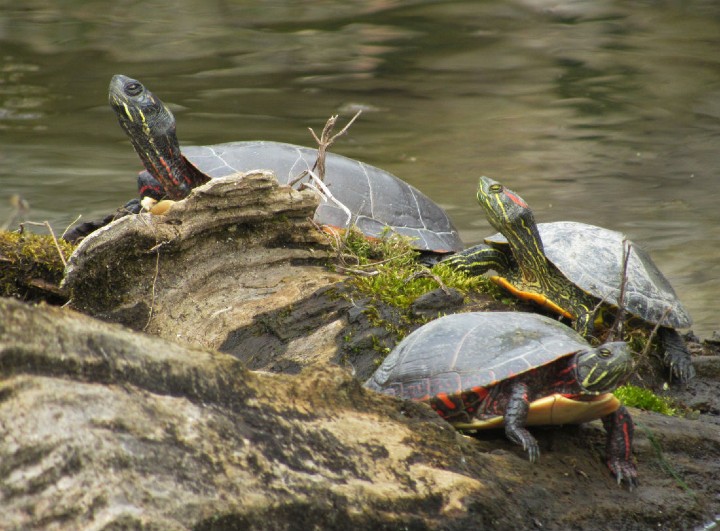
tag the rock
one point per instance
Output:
(714, 339)
(105, 428)
(439, 300)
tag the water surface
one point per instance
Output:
(599, 111)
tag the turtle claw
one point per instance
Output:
(529, 444)
(681, 368)
(533, 451)
(624, 471)
(523, 437)
(676, 356)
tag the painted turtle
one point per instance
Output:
(375, 198)
(576, 270)
(480, 370)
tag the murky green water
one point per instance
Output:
(597, 111)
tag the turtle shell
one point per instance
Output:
(375, 198)
(458, 352)
(592, 258)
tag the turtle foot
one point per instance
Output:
(522, 436)
(624, 471)
(533, 451)
(530, 445)
(676, 357)
(681, 367)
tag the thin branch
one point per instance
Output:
(57, 245)
(425, 272)
(327, 139)
(297, 179)
(324, 142)
(353, 222)
(155, 277)
(381, 262)
(652, 335)
(70, 225)
(359, 272)
(324, 191)
(616, 328)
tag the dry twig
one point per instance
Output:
(70, 225)
(654, 332)
(425, 272)
(324, 142)
(155, 277)
(616, 328)
(325, 192)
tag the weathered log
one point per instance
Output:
(235, 248)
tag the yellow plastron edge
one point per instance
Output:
(537, 298)
(554, 410)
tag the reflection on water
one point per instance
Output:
(603, 112)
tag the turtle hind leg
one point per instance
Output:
(619, 427)
(516, 414)
(675, 355)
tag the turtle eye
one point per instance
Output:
(133, 89)
(496, 188)
(604, 353)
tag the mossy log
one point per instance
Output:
(31, 266)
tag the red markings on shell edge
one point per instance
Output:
(445, 399)
(515, 199)
(481, 392)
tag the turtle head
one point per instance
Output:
(508, 213)
(139, 111)
(151, 128)
(602, 369)
(504, 209)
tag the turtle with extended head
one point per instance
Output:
(576, 270)
(485, 369)
(375, 199)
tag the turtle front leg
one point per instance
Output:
(478, 260)
(149, 186)
(516, 413)
(620, 428)
(675, 354)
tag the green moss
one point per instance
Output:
(30, 265)
(388, 270)
(641, 398)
